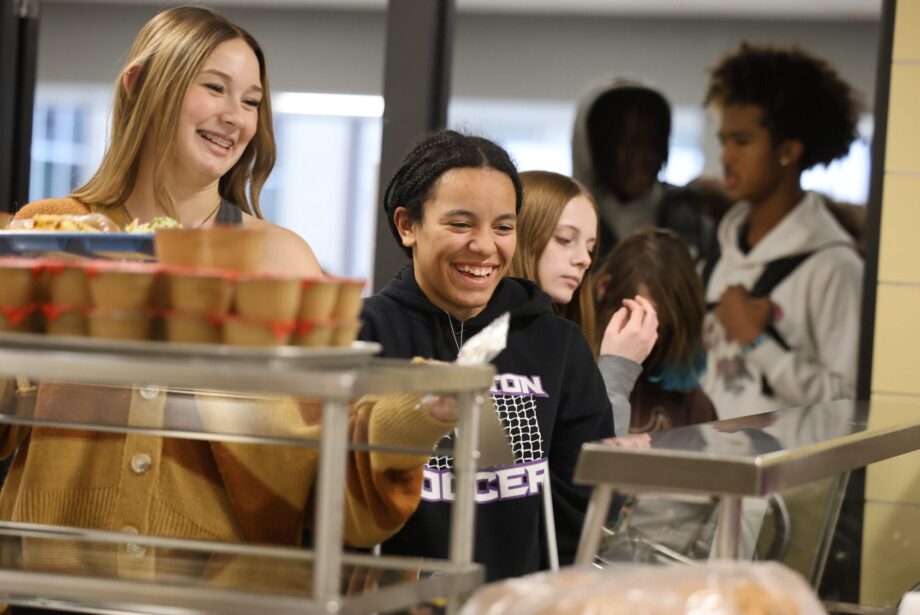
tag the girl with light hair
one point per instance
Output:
(191, 130)
(558, 229)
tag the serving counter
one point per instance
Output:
(160, 575)
(756, 455)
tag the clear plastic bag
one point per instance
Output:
(661, 529)
(713, 588)
(94, 222)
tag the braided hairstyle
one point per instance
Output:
(434, 154)
(802, 97)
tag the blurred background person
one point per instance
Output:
(557, 243)
(786, 284)
(656, 264)
(619, 147)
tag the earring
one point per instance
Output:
(784, 161)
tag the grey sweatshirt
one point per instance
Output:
(620, 375)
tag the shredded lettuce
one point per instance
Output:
(152, 226)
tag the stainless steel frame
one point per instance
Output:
(94, 595)
(753, 456)
(336, 386)
(333, 459)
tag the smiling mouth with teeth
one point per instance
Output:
(476, 272)
(215, 140)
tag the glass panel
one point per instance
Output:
(241, 419)
(121, 569)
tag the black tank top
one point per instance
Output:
(228, 213)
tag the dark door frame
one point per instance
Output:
(19, 21)
(416, 89)
(872, 229)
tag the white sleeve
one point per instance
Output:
(798, 377)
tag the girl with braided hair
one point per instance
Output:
(453, 207)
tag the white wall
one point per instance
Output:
(506, 56)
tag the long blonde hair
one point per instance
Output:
(167, 55)
(545, 196)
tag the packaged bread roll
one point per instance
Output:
(712, 588)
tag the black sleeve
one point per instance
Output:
(584, 415)
(383, 321)
(368, 331)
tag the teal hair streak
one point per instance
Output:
(682, 378)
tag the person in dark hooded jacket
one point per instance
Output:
(619, 148)
(452, 206)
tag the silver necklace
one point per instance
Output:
(450, 322)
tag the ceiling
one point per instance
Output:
(776, 9)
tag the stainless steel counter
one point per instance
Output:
(328, 374)
(750, 456)
(333, 377)
(99, 572)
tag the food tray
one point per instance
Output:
(357, 354)
(96, 245)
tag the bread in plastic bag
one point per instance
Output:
(712, 588)
(84, 223)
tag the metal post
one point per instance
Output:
(416, 88)
(329, 503)
(463, 512)
(835, 499)
(549, 517)
(728, 533)
(595, 519)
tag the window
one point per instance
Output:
(68, 138)
(323, 187)
(846, 179)
(538, 135)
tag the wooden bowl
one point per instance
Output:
(267, 298)
(244, 332)
(67, 284)
(121, 324)
(317, 299)
(316, 333)
(65, 320)
(20, 319)
(345, 333)
(226, 247)
(193, 329)
(349, 302)
(207, 292)
(18, 281)
(121, 285)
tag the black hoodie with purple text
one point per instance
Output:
(550, 398)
